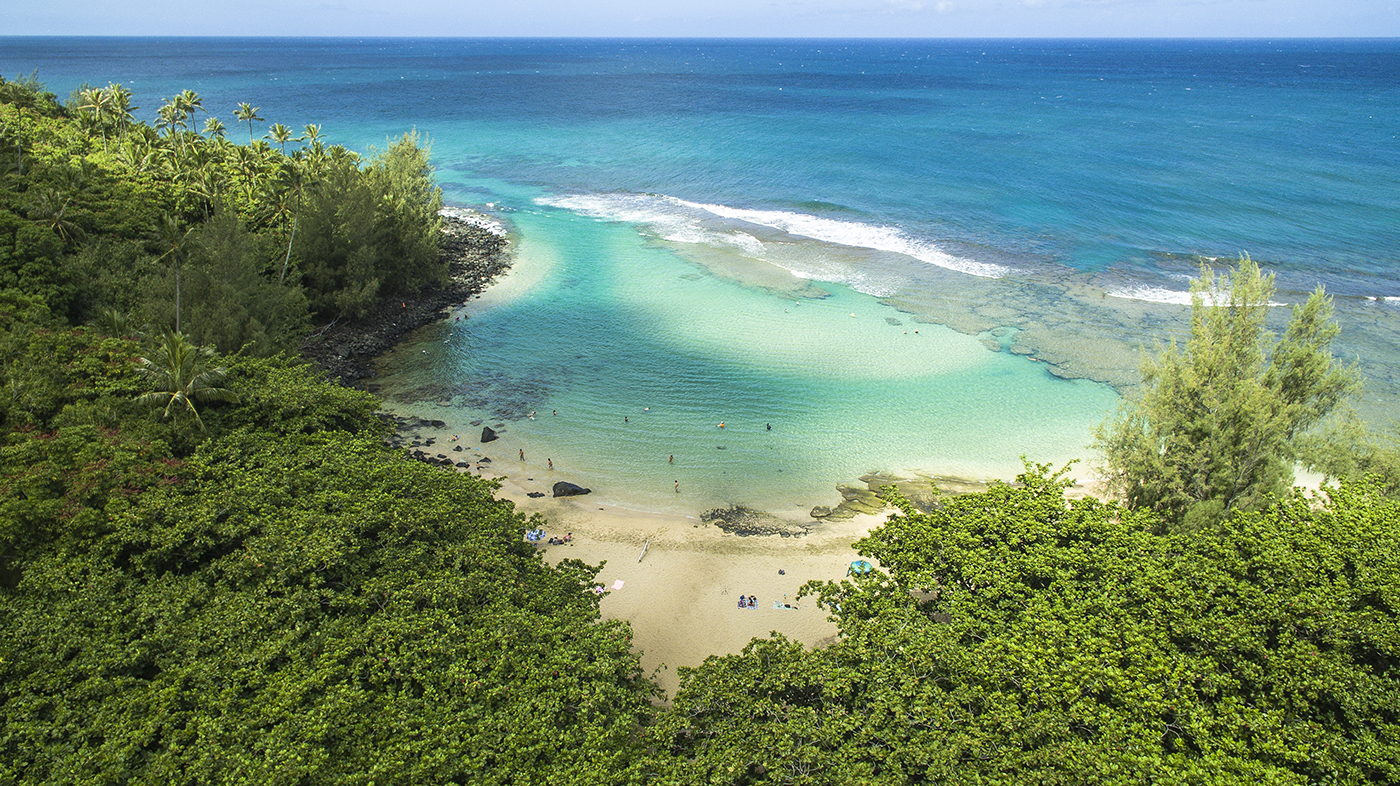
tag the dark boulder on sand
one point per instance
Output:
(488, 434)
(566, 489)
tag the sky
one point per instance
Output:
(712, 18)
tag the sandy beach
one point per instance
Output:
(681, 598)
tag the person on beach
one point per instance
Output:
(678, 487)
(753, 602)
(743, 602)
(551, 463)
(522, 454)
(672, 460)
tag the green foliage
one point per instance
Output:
(182, 373)
(1348, 450)
(311, 608)
(45, 367)
(28, 93)
(1216, 425)
(1020, 637)
(279, 395)
(92, 204)
(228, 300)
(410, 205)
(365, 236)
(290, 601)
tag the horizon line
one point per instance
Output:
(709, 38)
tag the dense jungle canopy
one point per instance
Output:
(213, 570)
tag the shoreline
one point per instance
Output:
(675, 577)
(676, 580)
(476, 256)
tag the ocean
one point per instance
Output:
(905, 256)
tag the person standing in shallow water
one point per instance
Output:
(678, 487)
(522, 454)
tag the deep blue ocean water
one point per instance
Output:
(1079, 153)
(1000, 186)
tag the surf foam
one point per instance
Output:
(854, 234)
(1173, 297)
(681, 221)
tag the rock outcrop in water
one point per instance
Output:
(475, 256)
(922, 492)
(565, 489)
(744, 522)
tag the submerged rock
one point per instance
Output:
(742, 521)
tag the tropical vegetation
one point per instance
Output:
(214, 570)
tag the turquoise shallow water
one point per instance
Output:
(643, 353)
(698, 220)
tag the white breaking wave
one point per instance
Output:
(680, 221)
(475, 219)
(1163, 295)
(854, 234)
(1152, 295)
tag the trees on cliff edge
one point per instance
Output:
(1215, 426)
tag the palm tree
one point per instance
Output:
(173, 240)
(281, 135)
(283, 198)
(250, 164)
(121, 109)
(317, 148)
(189, 102)
(50, 208)
(214, 128)
(98, 102)
(183, 374)
(139, 148)
(247, 113)
(117, 324)
(168, 117)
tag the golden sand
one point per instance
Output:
(681, 597)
